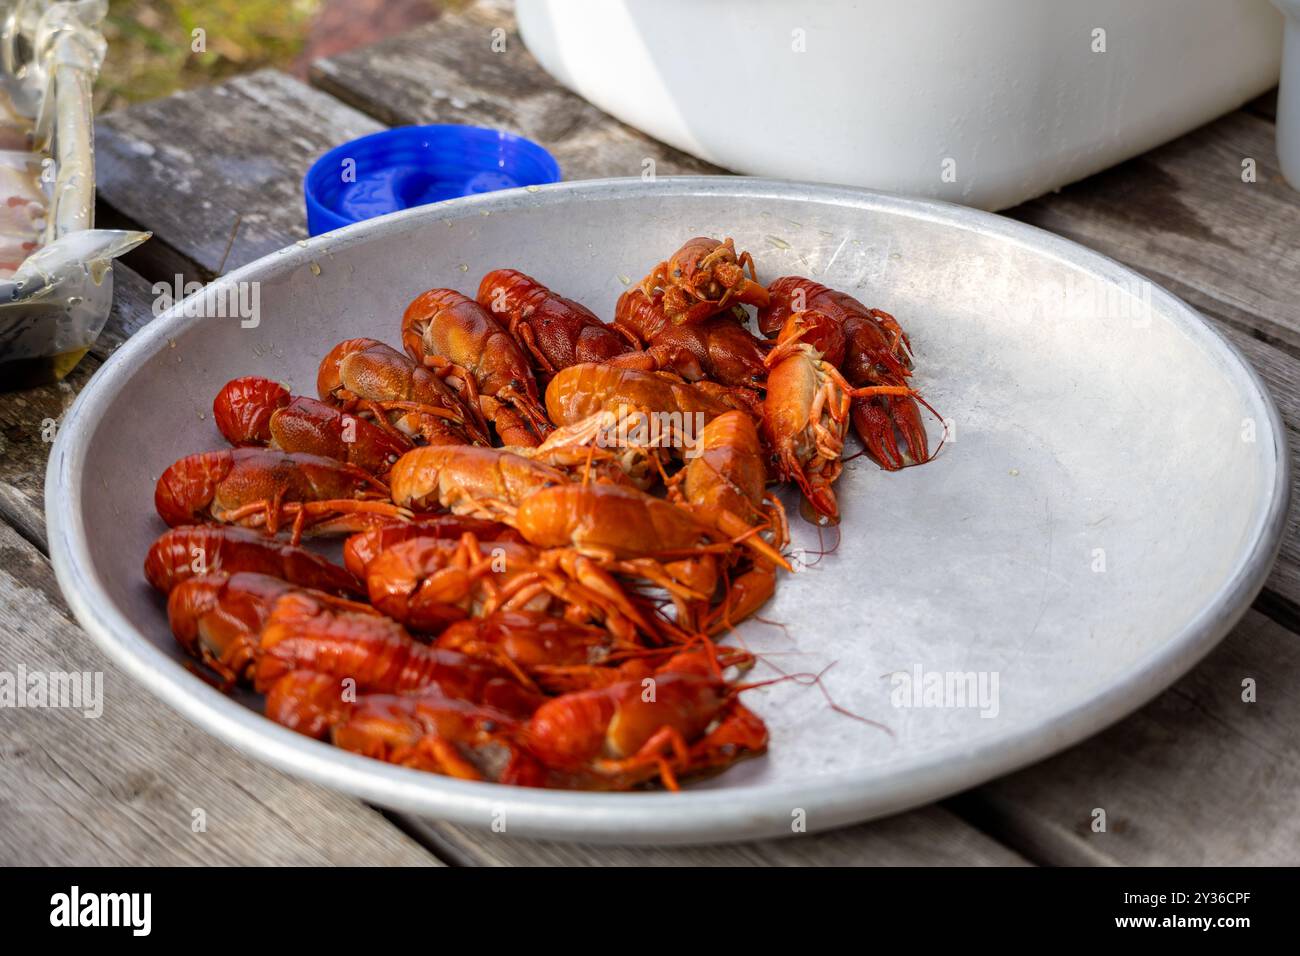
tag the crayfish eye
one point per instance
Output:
(489, 726)
(677, 273)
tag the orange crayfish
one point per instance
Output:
(402, 396)
(685, 719)
(806, 411)
(454, 334)
(261, 488)
(427, 583)
(252, 411)
(364, 546)
(876, 352)
(192, 550)
(251, 627)
(557, 332)
(702, 278)
(425, 729)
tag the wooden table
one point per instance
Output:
(1196, 777)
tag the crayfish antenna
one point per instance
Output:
(871, 391)
(924, 457)
(807, 678)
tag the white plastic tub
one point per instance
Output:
(1288, 97)
(983, 102)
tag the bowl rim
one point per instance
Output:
(695, 816)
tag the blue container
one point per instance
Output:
(414, 165)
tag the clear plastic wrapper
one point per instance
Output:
(56, 285)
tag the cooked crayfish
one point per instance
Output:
(702, 278)
(252, 411)
(725, 482)
(557, 332)
(484, 483)
(791, 294)
(310, 630)
(364, 546)
(682, 718)
(454, 334)
(528, 639)
(556, 655)
(806, 411)
(580, 391)
(720, 348)
(425, 729)
(876, 352)
(628, 529)
(618, 446)
(193, 550)
(368, 377)
(260, 488)
(686, 718)
(257, 628)
(427, 583)
(636, 534)
(639, 317)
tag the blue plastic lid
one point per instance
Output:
(414, 165)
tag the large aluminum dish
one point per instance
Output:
(1110, 505)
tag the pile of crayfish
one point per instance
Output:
(533, 581)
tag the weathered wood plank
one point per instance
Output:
(28, 419)
(123, 788)
(28, 423)
(201, 166)
(931, 836)
(447, 72)
(1198, 777)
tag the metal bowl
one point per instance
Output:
(1109, 501)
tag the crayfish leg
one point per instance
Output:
(744, 595)
(652, 755)
(739, 733)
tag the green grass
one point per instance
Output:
(150, 43)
